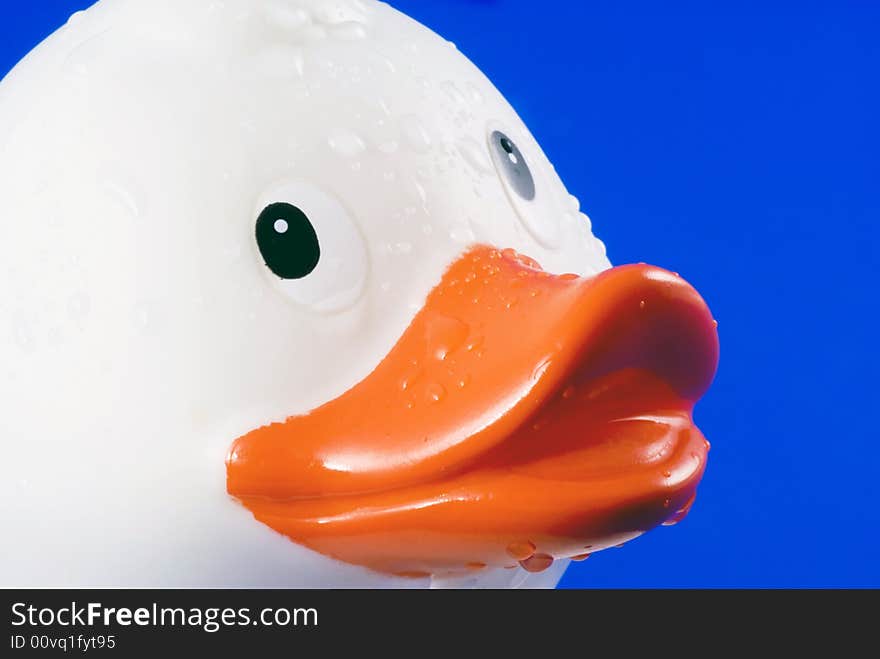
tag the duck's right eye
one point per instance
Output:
(287, 241)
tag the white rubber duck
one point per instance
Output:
(219, 215)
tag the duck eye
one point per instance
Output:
(512, 165)
(287, 241)
(326, 276)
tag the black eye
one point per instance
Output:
(513, 165)
(287, 241)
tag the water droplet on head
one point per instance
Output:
(347, 144)
(79, 305)
(55, 336)
(284, 17)
(279, 60)
(335, 13)
(348, 31)
(462, 234)
(312, 33)
(142, 316)
(475, 95)
(24, 336)
(398, 248)
(475, 154)
(451, 90)
(126, 194)
(415, 133)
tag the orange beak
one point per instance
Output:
(522, 417)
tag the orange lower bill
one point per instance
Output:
(521, 418)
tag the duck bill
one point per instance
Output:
(522, 417)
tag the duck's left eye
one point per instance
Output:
(287, 241)
(512, 165)
(524, 188)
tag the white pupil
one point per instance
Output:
(513, 158)
(281, 226)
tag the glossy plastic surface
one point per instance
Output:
(519, 409)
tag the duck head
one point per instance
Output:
(295, 270)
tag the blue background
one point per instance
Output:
(737, 144)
